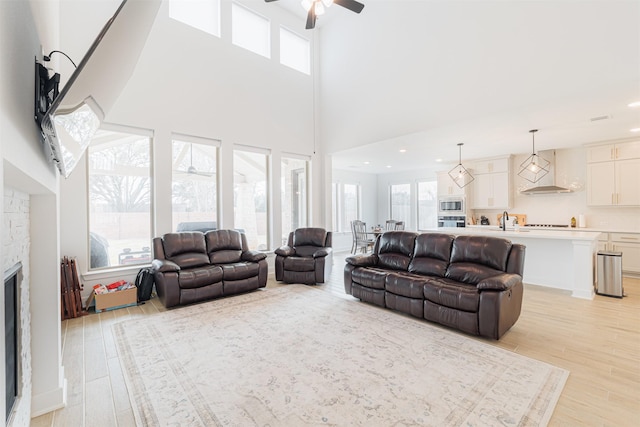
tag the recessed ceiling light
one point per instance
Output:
(403, 150)
(388, 166)
(438, 160)
(635, 104)
(635, 130)
(366, 162)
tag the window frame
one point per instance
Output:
(307, 191)
(147, 133)
(216, 144)
(268, 186)
(307, 70)
(268, 41)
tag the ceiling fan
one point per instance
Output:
(192, 170)
(316, 8)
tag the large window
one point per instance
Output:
(293, 186)
(201, 14)
(119, 199)
(250, 30)
(194, 192)
(295, 51)
(250, 197)
(346, 205)
(427, 205)
(400, 197)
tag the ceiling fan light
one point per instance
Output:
(327, 3)
(319, 8)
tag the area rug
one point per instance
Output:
(295, 355)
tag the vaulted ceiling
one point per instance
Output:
(424, 75)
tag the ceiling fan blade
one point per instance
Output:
(269, 1)
(352, 5)
(311, 18)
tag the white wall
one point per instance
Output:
(25, 168)
(192, 83)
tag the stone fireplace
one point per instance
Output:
(15, 256)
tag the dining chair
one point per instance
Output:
(362, 240)
(399, 225)
(390, 224)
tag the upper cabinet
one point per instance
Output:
(492, 187)
(608, 152)
(613, 174)
(446, 186)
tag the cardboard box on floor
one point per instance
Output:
(114, 300)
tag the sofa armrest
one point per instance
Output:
(322, 252)
(163, 265)
(501, 282)
(363, 260)
(285, 251)
(253, 256)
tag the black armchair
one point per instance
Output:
(307, 257)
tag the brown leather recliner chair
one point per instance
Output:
(307, 258)
(192, 266)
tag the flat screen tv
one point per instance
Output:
(91, 91)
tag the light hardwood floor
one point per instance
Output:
(598, 341)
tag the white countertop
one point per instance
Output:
(528, 233)
(588, 229)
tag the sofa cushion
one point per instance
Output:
(239, 271)
(470, 273)
(306, 251)
(294, 263)
(431, 254)
(405, 284)
(178, 243)
(185, 249)
(309, 237)
(224, 246)
(198, 277)
(490, 251)
(395, 249)
(452, 294)
(369, 277)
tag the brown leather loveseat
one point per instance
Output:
(195, 266)
(471, 283)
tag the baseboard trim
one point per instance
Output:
(49, 401)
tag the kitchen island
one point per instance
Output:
(557, 259)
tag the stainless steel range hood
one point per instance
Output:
(547, 184)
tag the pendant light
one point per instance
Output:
(459, 174)
(535, 167)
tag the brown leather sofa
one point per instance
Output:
(471, 283)
(195, 266)
(306, 258)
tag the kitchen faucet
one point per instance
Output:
(505, 217)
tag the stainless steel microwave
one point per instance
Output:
(451, 206)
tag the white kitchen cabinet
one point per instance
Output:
(614, 183)
(628, 244)
(446, 186)
(491, 166)
(618, 151)
(492, 184)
